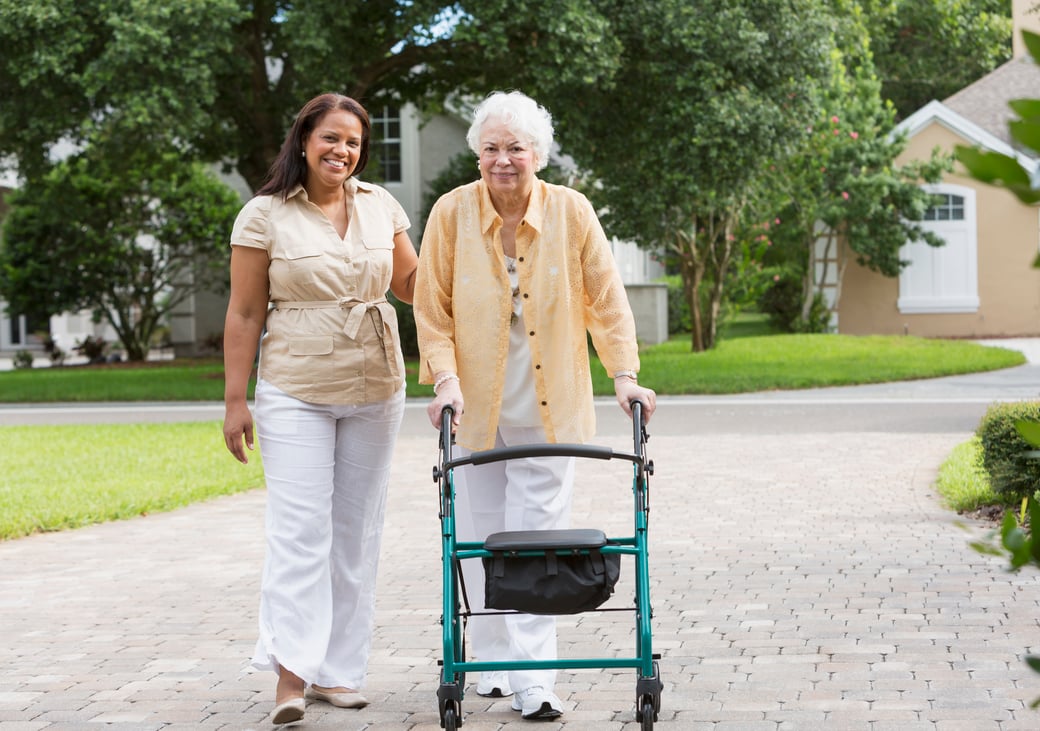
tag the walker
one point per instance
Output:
(530, 552)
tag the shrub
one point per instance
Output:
(1012, 472)
(93, 349)
(679, 319)
(782, 302)
(22, 359)
(406, 327)
(53, 351)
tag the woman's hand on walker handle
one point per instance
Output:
(448, 394)
(627, 390)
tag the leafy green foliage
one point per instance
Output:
(128, 238)
(782, 302)
(705, 94)
(678, 306)
(843, 197)
(929, 49)
(223, 78)
(1003, 170)
(22, 360)
(1013, 473)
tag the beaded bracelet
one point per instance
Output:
(444, 379)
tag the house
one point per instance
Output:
(981, 284)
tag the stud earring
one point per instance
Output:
(303, 153)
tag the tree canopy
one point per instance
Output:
(929, 49)
(840, 195)
(705, 95)
(223, 78)
(128, 242)
(675, 109)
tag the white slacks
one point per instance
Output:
(327, 470)
(523, 494)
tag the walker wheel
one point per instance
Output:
(648, 716)
(451, 721)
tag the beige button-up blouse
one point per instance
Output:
(331, 336)
(569, 284)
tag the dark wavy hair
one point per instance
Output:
(289, 169)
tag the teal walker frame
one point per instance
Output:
(454, 666)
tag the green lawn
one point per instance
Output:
(736, 365)
(59, 477)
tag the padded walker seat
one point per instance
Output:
(575, 539)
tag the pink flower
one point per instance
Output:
(776, 277)
(837, 132)
(834, 120)
(845, 195)
(777, 221)
(854, 135)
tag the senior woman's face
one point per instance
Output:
(506, 160)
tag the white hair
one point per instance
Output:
(522, 115)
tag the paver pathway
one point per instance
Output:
(808, 581)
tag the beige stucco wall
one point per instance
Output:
(1008, 285)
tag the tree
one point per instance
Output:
(129, 241)
(845, 196)
(704, 94)
(929, 49)
(218, 82)
(223, 78)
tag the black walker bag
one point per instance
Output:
(571, 576)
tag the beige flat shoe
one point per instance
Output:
(352, 699)
(291, 710)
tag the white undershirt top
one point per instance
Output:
(519, 402)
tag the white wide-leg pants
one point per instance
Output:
(519, 494)
(327, 470)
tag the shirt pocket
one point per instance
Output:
(301, 255)
(310, 345)
(305, 264)
(377, 231)
(373, 243)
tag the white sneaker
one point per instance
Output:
(494, 684)
(537, 704)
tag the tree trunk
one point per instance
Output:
(691, 269)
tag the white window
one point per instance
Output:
(386, 143)
(945, 278)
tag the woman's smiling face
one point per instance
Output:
(333, 148)
(506, 161)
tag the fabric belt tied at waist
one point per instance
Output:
(358, 307)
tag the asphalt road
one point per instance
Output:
(938, 405)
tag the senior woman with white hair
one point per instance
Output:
(513, 272)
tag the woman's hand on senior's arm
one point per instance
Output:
(446, 393)
(628, 390)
